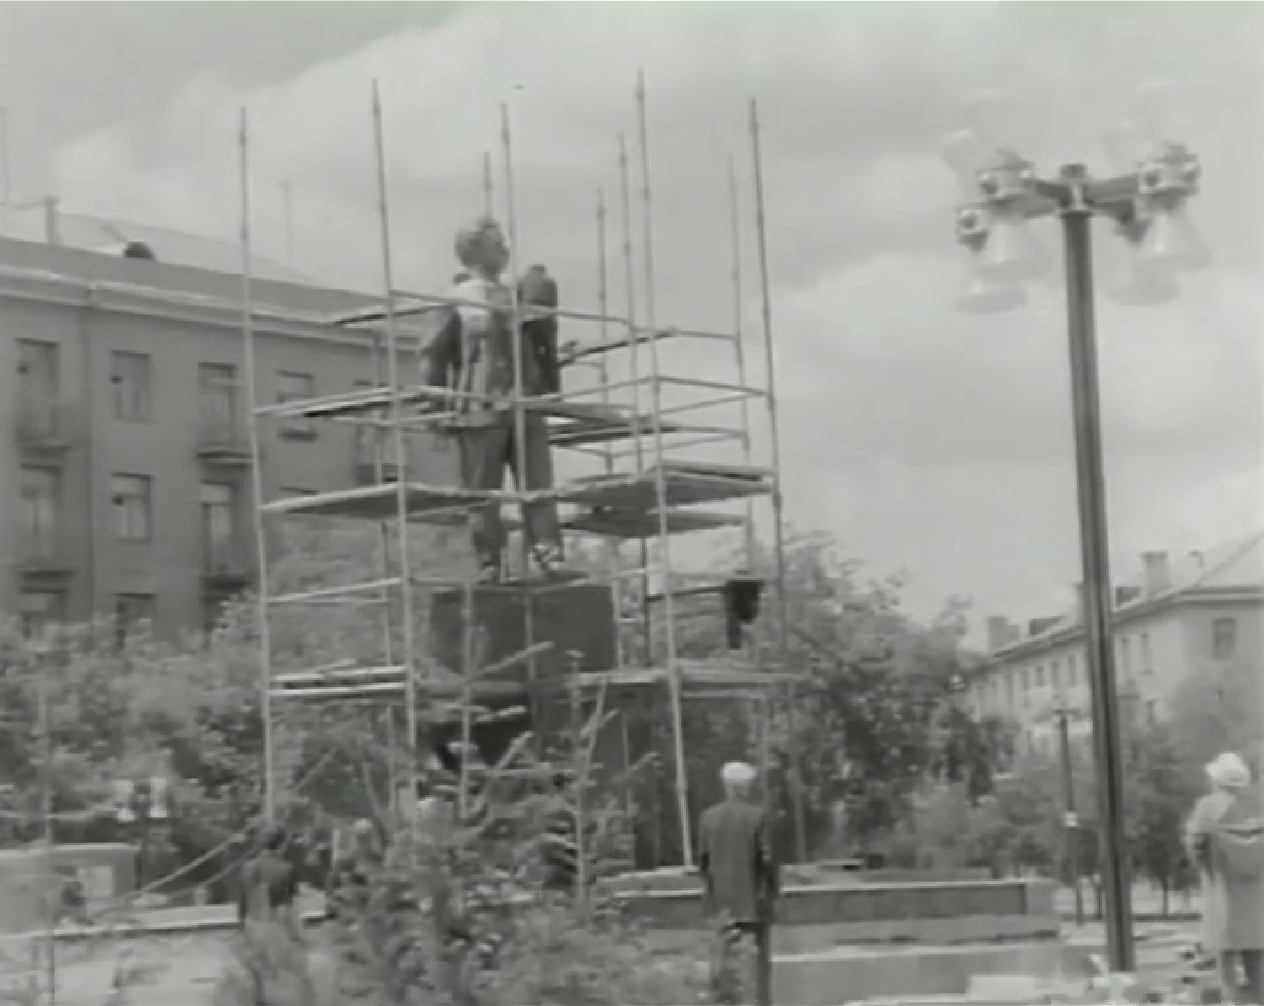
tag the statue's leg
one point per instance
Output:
(483, 452)
(539, 517)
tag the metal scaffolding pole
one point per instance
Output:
(256, 463)
(778, 504)
(394, 377)
(674, 683)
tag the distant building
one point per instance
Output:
(125, 476)
(50, 223)
(1185, 615)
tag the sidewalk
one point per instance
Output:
(147, 979)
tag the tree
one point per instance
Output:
(1160, 791)
(1219, 708)
(874, 712)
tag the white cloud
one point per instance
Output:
(926, 437)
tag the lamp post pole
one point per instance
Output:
(1070, 817)
(1147, 206)
(1077, 222)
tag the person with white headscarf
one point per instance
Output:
(1225, 839)
(738, 867)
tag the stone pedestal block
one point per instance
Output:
(577, 618)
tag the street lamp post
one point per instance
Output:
(1070, 818)
(1147, 205)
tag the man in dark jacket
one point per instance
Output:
(474, 349)
(742, 882)
(269, 883)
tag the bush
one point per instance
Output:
(480, 915)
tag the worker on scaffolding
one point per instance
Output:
(472, 350)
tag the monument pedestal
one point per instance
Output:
(577, 620)
(506, 619)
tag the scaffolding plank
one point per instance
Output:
(684, 485)
(343, 593)
(582, 424)
(355, 403)
(693, 676)
(337, 675)
(344, 692)
(632, 524)
(380, 502)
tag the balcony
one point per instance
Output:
(42, 425)
(222, 441)
(225, 566)
(41, 554)
(367, 441)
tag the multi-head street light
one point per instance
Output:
(1147, 204)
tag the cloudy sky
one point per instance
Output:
(928, 440)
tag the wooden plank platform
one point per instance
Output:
(381, 502)
(634, 524)
(694, 676)
(685, 485)
(572, 424)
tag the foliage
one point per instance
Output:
(873, 714)
(1219, 708)
(469, 915)
(1160, 788)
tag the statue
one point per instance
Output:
(472, 350)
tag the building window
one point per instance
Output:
(219, 525)
(132, 499)
(1152, 711)
(1145, 658)
(1125, 658)
(1009, 690)
(41, 506)
(1055, 675)
(212, 612)
(130, 612)
(39, 363)
(295, 387)
(217, 398)
(1224, 638)
(132, 378)
(1040, 676)
(40, 611)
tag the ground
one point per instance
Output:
(181, 970)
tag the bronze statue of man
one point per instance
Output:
(472, 351)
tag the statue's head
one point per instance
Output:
(481, 247)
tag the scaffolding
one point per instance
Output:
(641, 429)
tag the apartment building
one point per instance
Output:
(1183, 616)
(125, 474)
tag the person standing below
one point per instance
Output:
(355, 870)
(269, 884)
(742, 883)
(1225, 839)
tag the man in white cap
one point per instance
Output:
(1225, 839)
(742, 881)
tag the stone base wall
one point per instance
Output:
(942, 914)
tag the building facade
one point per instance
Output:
(125, 471)
(1186, 615)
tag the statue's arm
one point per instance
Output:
(441, 351)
